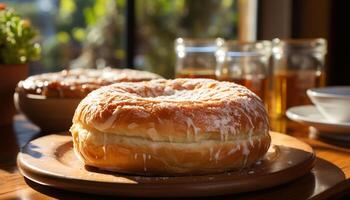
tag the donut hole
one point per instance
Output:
(168, 93)
(181, 90)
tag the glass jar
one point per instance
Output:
(245, 63)
(298, 64)
(195, 58)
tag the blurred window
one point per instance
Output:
(76, 33)
(159, 22)
(92, 33)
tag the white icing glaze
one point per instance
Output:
(190, 125)
(246, 150)
(144, 157)
(251, 142)
(165, 93)
(245, 161)
(82, 80)
(217, 155)
(104, 146)
(152, 132)
(110, 121)
(235, 103)
(211, 151)
(232, 151)
(132, 125)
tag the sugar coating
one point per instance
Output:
(79, 82)
(221, 105)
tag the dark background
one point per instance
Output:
(311, 19)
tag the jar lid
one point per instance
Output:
(198, 45)
(233, 48)
(313, 45)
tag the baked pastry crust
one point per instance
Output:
(171, 127)
(77, 83)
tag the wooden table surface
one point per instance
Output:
(330, 178)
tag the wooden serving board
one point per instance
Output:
(50, 161)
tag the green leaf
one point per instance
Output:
(16, 39)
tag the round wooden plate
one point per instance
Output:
(50, 161)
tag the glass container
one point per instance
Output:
(195, 58)
(298, 64)
(245, 63)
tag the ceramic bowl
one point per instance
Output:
(50, 114)
(332, 102)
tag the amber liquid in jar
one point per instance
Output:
(257, 84)
(290, 89)
(196, 73)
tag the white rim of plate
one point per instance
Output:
(302, 118)
(321, 92)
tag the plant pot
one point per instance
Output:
(10, 75)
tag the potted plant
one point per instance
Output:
(16, 50)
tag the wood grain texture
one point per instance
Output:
(333, 160)
(50, 160)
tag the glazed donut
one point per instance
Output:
(77, 83)
(171, 127)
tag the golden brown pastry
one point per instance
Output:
(77, 83)
(171, 127)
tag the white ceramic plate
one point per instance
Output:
(309, 115)
(332, 102)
